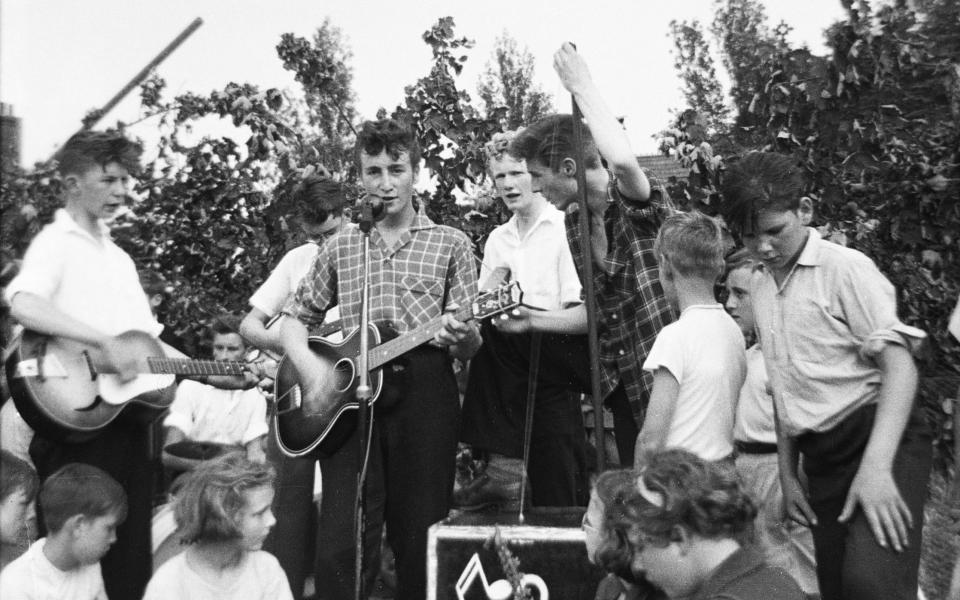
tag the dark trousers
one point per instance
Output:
(293, 537)
(851, 565)
(121, 450)
(410, 481)
(494, 411)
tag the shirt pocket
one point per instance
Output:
(817, 335)
(421, 298)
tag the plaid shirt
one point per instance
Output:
(411, 282)
(631, 308)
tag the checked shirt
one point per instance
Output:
(411, 282)
(631, 308)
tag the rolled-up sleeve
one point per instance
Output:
(870, 308)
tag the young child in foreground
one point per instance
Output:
(81, 507)
(698, 362)
(843, 377)
(223, 512)
(18, 488)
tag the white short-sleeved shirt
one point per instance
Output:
(258, 577)
(34, 577)
(89, 279)
(540, 262)
(208, 414)
(273, 293)
(704, 351)
(754, 422)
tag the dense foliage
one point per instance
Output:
(876, 125)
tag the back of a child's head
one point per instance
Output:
(317, 198)
(209, 499)
(757, 182)
(614, 489)
(88, 149)
(693, 243)
(80, 489)
(676, 488)
(550, 140)
(16, 475)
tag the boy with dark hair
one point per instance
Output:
(319, 209)
(82, 507)
(77, 284)
(203, 413)
(319, 214)
(18, 488)
(418, 272)
(844, 382)
(625, 212)
(695, 384)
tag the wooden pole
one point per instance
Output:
(139, 77)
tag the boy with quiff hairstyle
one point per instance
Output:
(695, 384)
(76, 283)
(844, 380)
(630, 303)
(81, 507)
(418, 271)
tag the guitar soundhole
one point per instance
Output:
(344, 374)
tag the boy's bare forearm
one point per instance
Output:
(895, 401)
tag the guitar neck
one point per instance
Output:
(187, 366)
(391, 349)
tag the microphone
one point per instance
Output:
(371, 210)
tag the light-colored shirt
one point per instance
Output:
(284, 279)
(89, 279)
(540, 261)
(34, 577)
(208, 414)
(257, 577)
(704, 351)
(821, 331)
(755, 422)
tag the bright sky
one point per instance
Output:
(61, 58)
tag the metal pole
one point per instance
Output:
(590, 292)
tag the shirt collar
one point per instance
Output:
(421, 221)
(64, 221)
(810, 255)
(549, 214)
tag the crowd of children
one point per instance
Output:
(791, 404)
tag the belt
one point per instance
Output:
(754, 447)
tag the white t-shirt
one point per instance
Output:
(540, 262)
(208, 414)
(754, 421)
(704, 351)
(257, 577)
(34, 577)
(272, 294)
(91, 280)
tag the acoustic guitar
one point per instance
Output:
(65, 391)
(318, 422)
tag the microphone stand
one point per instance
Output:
(364, 408)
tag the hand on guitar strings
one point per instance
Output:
(463, 338)
(120, 359)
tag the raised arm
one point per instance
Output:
(607, 132)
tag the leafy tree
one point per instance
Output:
(507, 82)
(450, 131)
(694, 64)
(875, 124)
